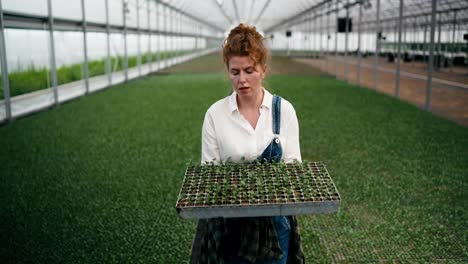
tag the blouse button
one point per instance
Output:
(277, 140)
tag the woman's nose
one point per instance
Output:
(242, 77)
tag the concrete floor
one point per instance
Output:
(25, 104)
(449, 96)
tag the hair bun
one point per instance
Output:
(245, 40)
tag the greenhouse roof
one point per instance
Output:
(270, 15)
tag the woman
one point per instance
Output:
(249, 124)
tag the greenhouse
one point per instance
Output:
(102, 109)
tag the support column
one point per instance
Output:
(4, 65)
(328, 33)
(312, 35)
(197, 29)
(359, 45)
(53, 65)
(413, 45)
(169, 36)
(452, 48)
(158, 26)
(397, 77)
(85, 47)
(149, 55)
(439, 47)
(138, 37)
(179, 39)
(345, 63)
(377, 48)
(310, 40)
(395, 37)
(320, 55)
(425, 60)
(317, 37)
(171, 43)
(108, 57)
(336, 41)
(165, 37)
(431, 57)
(125, 59)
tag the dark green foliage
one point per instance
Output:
(33, 79)
(96, 180)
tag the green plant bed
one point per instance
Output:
(38, 78)
(81, 187)
(257, 189)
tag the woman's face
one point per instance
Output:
(246, 79)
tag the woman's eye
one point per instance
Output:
(234, 72)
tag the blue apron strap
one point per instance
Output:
(276, 112)
(273, 152)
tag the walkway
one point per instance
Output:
(25, 104)
(449, 97)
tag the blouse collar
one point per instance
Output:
(266, 102)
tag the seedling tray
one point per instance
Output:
(257, 189)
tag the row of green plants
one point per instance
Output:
(38, 78)
(95, 188)
(254, 183)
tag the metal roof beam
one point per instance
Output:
(228, 18)
(206, 23)
(421, 8)
(414, 15)
(295, 16)
(249, 18)
(236, 10)
(294, 19)
(18, 20)
(326, 12)
(265, 6)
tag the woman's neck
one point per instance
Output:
(250, 103)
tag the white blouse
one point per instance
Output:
(226, 134)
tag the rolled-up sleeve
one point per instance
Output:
(210, 148)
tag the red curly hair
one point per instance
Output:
(244, 40)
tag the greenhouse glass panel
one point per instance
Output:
(154, 47)
(153, 15)
(36, 7)
(117, 51)
(132, 51)
(144, 51)
(96, 11)
(69, 52)
(97, 56)
(131, 14)
(115, 12)
(67, 9)
(153, 26)
(143, 14)
(162, 26)
(28, 65)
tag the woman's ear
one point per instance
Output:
(264, 69)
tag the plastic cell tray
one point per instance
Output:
(257, 189)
